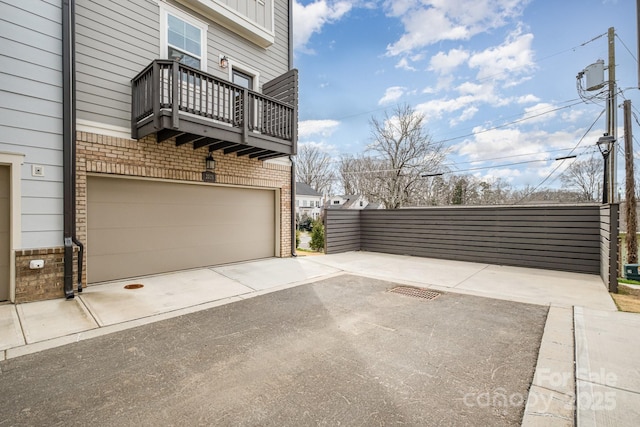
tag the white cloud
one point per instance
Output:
(540, 112)
(572, 116)
(447, 62)
(527, 99)
(324, 128)
(392, 94)
(513, 58)
(321, 146)
(404, 65)
(467, 113)
(430, 21)
(470, 96)
(309, 19)
(434, 109)
(515, 145)
(480, 91)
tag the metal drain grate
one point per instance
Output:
(415, 292)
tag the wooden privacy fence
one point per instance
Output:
(576, 238)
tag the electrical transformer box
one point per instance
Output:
(594, 74)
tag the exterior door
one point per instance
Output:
(139, 227)
(4, 232)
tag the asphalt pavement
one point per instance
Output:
(340, 351)
(318, 340)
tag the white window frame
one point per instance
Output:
(244, 69)
(165, 11)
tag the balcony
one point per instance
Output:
(173, 100)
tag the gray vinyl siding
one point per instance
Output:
(564, 238)
(115, 40)
(31, 111)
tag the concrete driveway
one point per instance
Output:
(340, 351)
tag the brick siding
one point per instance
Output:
(45, 283)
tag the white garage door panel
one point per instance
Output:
(138, 227)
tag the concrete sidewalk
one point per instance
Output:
(603, 336)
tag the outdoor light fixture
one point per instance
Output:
(605, 145)
(209, 175)
(224, 61)
(210, 163)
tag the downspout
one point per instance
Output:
(69, 148)
(295, 142)
(293, 207)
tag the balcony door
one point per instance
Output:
(242, 79)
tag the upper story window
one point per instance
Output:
(183, 37)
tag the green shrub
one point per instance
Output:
(317, 236)
(297, 238)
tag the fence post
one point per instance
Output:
(613, 247)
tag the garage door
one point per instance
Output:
(4, 233)
(138, 227)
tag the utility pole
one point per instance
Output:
(630, 188)
(612, 125)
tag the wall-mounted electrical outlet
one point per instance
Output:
(36, 264)
(37, 170)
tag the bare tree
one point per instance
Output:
(406, 151)
(585, 176)
(358, 175)
(314, 168)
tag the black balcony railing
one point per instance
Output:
(170, 96)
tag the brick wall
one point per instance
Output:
(44, 283)
(101, 154)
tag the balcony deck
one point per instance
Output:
(173, 100)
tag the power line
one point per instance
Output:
(509, 164)
(510, 123)
(560, 164)
(625, 46)
(506, 157)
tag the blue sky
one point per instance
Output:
(470, 66)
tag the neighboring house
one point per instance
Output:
(308, 201)
(186, 113)
(347, 202)
(373, 206)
